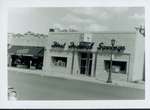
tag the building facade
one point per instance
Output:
(79, 53)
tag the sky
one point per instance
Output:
(87, 19)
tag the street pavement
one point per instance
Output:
(36, 87)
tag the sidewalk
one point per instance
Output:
(138, 85)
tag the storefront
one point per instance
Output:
(89, 54)
(28, 57)
(78, 53)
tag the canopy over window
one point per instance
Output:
(26, 50)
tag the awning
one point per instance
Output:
(26, 50)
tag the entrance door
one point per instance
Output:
(85, 63)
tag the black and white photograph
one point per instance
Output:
(76, 53)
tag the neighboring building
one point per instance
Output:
(65, 53)
(26, 50)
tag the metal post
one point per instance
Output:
(110, 69)
(72, 61)
(87, 63)
(95, 62)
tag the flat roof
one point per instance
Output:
(100, 32)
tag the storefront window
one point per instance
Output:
(117, 66)
(59, 61)
(30, 62)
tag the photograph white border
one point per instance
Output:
(4, 103)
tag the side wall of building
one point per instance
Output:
(138, 58)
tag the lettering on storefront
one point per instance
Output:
(102, 47)
(58, 45)
(88, 45)
(82, 45)
(22, 51)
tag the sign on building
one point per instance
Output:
(21, 51)
(87, 37)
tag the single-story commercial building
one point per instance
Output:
(79, 53)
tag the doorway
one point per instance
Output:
(85, 63)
